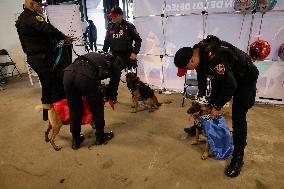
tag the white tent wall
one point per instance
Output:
(9, 12)
(172, 24)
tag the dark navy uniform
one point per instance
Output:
(233, 75)
(119, 39)
(83, 78)
(37, 39)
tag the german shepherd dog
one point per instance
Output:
(141, 91)
(199, 110)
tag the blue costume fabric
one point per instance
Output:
(219, 137)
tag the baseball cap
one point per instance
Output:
(115, 11)
(182, 57)
(40, 2)
(181, 72)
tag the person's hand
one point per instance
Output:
(214, 113)
(133, 56)
(111, 103)
(68, 39)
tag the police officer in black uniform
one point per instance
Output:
(36, 37)
(83, 78)
(233, 75)
(119, 38)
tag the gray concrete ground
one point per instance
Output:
(150, 150)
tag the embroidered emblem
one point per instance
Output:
(39, 18)
(220, 69)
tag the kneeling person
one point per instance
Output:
(83, 78)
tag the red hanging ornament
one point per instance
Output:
(259, 50)
(281, 52)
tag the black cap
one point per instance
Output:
(115, 11)
(182, 56)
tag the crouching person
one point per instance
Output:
(233, 75)
(83, 78)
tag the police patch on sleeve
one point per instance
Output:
(220, 69)
(39, 18)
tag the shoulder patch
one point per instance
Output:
(39, 18)
(220, 69)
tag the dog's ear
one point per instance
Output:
(195, 108)
(194, 103)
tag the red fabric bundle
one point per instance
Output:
(62, 109)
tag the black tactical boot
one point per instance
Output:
(103, 138)
(77, 141)
(45, 114)
(234, 169)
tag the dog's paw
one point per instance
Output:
(202, 138)
(57, 148)
(134, 111)
(194, 142)
(204, 156)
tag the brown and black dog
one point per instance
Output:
(141, 91)
(55, 124)
(199, 110)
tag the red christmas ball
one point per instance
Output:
(281, 52)
(259, 50)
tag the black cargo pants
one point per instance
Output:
(243, 100)
(52, 86)
(77, 85)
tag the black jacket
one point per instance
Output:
(97, 66)
(36, 35)
(229, 67)
(119, 38)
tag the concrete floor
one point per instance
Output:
(149, 151)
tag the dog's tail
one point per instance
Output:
(165, 102)
(42, 107)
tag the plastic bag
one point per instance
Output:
(219, 137)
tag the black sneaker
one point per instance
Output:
(190, 131)
(235, 167)
(103, 138)
(76, 142)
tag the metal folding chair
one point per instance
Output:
(7, 63)
(190, 89)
